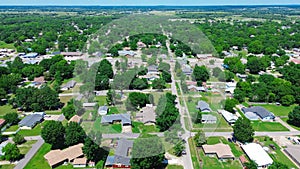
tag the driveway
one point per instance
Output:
(22, 163)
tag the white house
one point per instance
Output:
(229, 117)
(256, 153)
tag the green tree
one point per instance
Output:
(74, 134)
(164, 67)
(200, 138)
(11, 118)
(217, 71)
(91, 150)
(251, 165)
(287, 100)
(117, 65)
(178, 148)
(111, 97)
(166, 76)
(243, 130)
(294, 117)
(105, 69)
(230, 105)
(139, 84)
(147, 153)
(19, 139)
(12, 152)
(54, 133)
(278, 165)
(200, 73)
(101, 82)
(159, 84)
(137, 100)
(198, 117)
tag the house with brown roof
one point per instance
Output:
(76, 119)
(68, 155)
(2, 122)
(80, 162)
(222, 151)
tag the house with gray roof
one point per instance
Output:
(196, 88)
(187, 69)
(207, 118)
(124, 119)
(122, 156)
(261, 112)
(30, 121)
(152, 69)
(71, 84)
(147, 115)
(102, 110)
(203, 106)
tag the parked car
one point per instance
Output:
(183, 152)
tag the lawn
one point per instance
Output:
(25, 147)
(6, 109)
(139, 127)
(65, 99)
(69, 166)
(194, 155)
(276, 155)
(113, 110)
(7, 45)
(221, 124)
(53, 112)
(12, 128)
(278, 110)
(7, 166)
(33, 132)
(268, 126)
(38, 161)
(174, 167)
(101, 100)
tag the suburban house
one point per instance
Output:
(263, 113)
(58, 117)
(256, 153)
(222, 151)
(150, 77)
(30, 121)
(187, 69)
(31, 55)
(203, 106)
(122, 156)
(71, 54)
(251, 116)
(293, 151)
(230, 87)
(210, 119)
(80, 162)
(124, 119)
(152, 69)
(76, 119)
(147, 115)
(71, 84)
(39, 80)
(229, 117)
(126, 53)
(102, 110)
(89, 105)
(68, 155)
(194, 88)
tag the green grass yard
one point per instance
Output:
(7, 166)
(194, 154)
(38, 161)
(286, 119)
(101, 100)
(33, 132)
(97, 126)
(174, 167)
(6, 109)
(25, 147)
(236, 150)
(268, 126)
(12, 128)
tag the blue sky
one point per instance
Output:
(147, 2)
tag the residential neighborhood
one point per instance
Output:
(171, 87)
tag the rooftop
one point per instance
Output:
(221, 150)
(260, 111)
(124, 118)
(31, 120)
(147, 114)
(256, 153)
(203, 106)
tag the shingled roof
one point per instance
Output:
(124, 118)
(260, 111)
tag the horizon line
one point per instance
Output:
(146, 5)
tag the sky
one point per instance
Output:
(147, 2)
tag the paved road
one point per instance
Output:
(22, 163)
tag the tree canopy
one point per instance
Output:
(243, 130)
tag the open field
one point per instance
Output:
(276, 155)
(268, 126)
(278, 110)
(38, 161)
